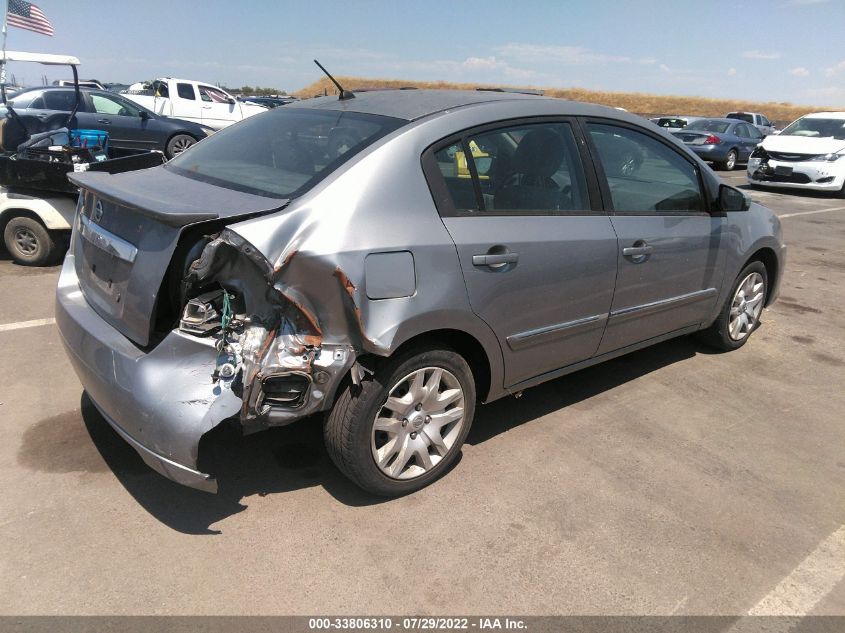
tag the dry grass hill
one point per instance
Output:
(641, 103)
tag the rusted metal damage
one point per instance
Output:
(276, 332)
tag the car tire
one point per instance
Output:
(29, 242)
(728, 332)
(178, 144)
(405, 396)
(730, 161)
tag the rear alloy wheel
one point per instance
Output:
(397, 432)
(740, 315)
(179, 144)
(28, 242)
(729, 162)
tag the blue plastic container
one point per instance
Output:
(89, 138)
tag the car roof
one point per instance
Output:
(825, 115)
(416, 104)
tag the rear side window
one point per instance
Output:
(644, 175)
(284, 152)
(61, 100)
(524, 169)
(185, 91)
(741, 130)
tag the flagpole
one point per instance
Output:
(3, 63)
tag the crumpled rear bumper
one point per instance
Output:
(161, 402)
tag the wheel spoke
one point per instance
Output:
(423, 458)
(399, 405)
(448, 397)
(435, 440)
(401, 460)
(417, 387)
(388, 425)
(387, 451)
(439, 420)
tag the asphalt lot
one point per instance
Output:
(672, 480)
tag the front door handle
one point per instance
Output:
(104, 121)
(638, 253)
(495, 260)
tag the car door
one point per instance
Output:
(217, 111)
(755, 137)
(185, 104)
(537, 253)
(670, 257)
(743, 131)
(122, 120)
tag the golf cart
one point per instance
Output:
(37, 202)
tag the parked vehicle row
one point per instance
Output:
(130, 126)
(244, 301)
(673, 123)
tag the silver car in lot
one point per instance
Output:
(389, 260)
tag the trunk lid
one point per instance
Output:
(693, 138)
(127, 228)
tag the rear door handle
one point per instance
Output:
(638, 253)
(499, 259)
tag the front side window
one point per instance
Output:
(522, 169)
(283, 152)
(213, 95)
(644, 175)
(104, 104)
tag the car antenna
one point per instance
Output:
(344, 94)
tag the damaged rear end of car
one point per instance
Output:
(175, 323)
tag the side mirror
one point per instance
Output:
(732, 199)
(144, 115)
(230, 100)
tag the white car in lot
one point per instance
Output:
(808, 154)
(191, 100)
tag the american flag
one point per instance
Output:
(26, 15)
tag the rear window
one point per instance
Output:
(670, 122)
(282, 153)
(741, 116)
(705, 125)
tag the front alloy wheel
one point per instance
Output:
(740, 314)
(746, 306)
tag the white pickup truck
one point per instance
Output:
(191, 100)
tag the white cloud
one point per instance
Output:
(569, 55)
(799, 71)
(830, 72)
(665, 68)
(761, 55)
(801, 2)
(731, 72)
(483, 63)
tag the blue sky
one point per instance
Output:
(776, 50)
